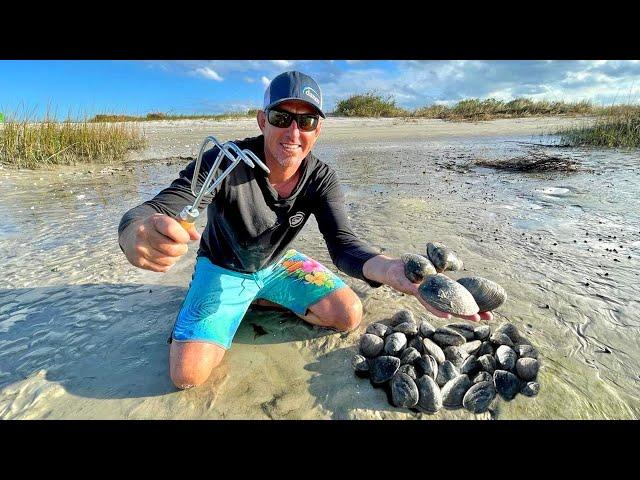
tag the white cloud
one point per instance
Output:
(282, 63)
(265, 81)
(207, 72)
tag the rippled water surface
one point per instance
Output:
(82, 333)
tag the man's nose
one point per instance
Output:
(293, 128)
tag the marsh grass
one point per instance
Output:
(369, 104)
(27, 144)
(111, 117)
(617, 126)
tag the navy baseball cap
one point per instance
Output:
(293, 86)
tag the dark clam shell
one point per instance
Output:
(487, 294)
(401, 317)
(527, 368)
(409, 355)
(510, 330)
(498, 338)
(394, 343)
(483, 377)
(442, 257)
(408, 328)
(416, 342)
(506, 357)
(530, 389)
(446, 371)
(479, 396)
(379, 329)
(470, 366)
(447, 296)
(445, 337)
(426, 329)
(464, 329)
(417, 267)
(404, 392)
(488, 363)
(471, 347)
(455, 355)
(482, 332)
(506, 383)
(371, 345)
(485, 348)
(433, 349)
(360, 366)
(383, 368)
(430, 400)
(426, 365)
(409, 370)
(526, 351)
(454, 390)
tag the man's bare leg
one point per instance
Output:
(191, 363)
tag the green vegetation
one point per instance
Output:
(616, 126)
(369, 105)
(26, 144)
(165, 116)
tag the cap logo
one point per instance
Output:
(310, 92)
(296, 219)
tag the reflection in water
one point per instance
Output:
(567, 241)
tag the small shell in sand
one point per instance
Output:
(443, 258)
(487, 294)
(417, 267)
(448, 296)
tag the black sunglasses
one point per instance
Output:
(307, 122)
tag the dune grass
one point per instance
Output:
(369, 104)
(113, 117)
(27, 144)
(617, 126)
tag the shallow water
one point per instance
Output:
(83, 333)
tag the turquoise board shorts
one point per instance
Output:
(218, 298)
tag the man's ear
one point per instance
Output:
(319, 127)
(261, 118)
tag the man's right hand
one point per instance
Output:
(157, 242)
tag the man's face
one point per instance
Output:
(288, 146)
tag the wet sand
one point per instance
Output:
(83, 333)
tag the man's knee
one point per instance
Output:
(191, 363)
(350, 316)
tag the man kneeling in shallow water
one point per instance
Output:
(252, 218)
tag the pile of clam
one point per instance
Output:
(458, 365)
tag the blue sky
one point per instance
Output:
(80, 87)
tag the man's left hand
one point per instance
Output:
(397, 280)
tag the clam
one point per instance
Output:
(479, 396)
(530, 389)
(433, 349)
(464, 329)
(446, 371)
(527, 368)
(371, 345)
(442, 257)
(455, 355)
(404, 392)
(482, 332)
(506, 357)
(510, 330)
(487, 363)
(487, 294)
(426, 365)
(379, 329)
(394, 343)
(483, 377)
(526, 351)
(409, 356)
(471, 347)
(506, 383)
(470, 366)
(417, 267)
(416, 342)
(430, 400)
(454, 390)
(448, 296)
(446, 337)
(485, 348)
(401, 317)
(383, 368)
(498, 338)
(426, 329)
(408, 328)
(360, 366)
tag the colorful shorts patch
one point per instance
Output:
(218, 298)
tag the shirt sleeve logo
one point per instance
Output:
(296, 219)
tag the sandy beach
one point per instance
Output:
(83, 333)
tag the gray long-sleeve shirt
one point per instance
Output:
(249, 227)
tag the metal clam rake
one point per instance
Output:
(190, 213)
